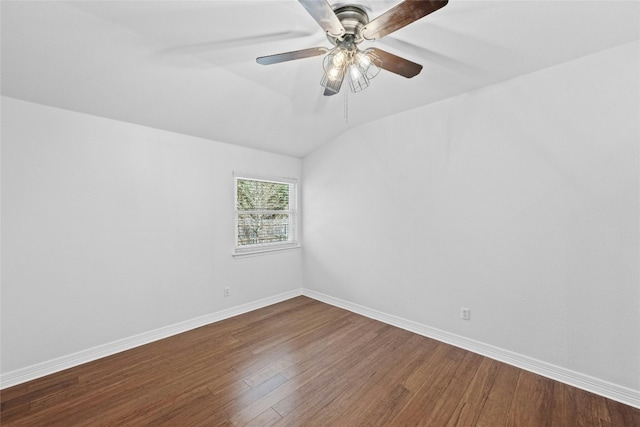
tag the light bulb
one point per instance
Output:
(363, 60)
(355, 72)
(369, 63)
(334, 72)
(339, 57)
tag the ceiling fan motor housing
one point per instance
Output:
(353, 19)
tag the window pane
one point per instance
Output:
(262, 195)
(262, 228)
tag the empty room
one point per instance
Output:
(312, 212)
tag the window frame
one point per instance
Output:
(264, 248)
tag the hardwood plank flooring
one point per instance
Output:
(303, 363)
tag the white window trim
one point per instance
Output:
(266, 248)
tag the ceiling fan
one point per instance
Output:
(346, 27)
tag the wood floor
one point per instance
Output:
(303, 363)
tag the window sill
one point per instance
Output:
(243, 253)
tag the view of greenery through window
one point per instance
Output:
(263, 211)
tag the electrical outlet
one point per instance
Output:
(227, 292)
(465, 313)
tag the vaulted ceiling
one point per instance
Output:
(189, 66)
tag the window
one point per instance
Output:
(265, 214)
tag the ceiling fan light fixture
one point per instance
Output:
(357, 66)
(334, 62)
(346, 27)
(358, 81)
(339, 56)
(369, 62)
(334, 68)
(332, 84)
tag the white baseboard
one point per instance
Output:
(585, 382)
(594, 385)
(69, 361)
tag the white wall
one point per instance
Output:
(111, 229)
(519, 201)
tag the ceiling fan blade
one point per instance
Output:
(434, 57)
(290, 56)
(322, 12)
(397, 65)
(399, 16)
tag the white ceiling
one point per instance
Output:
(189, 66)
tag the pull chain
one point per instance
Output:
(346, 106)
